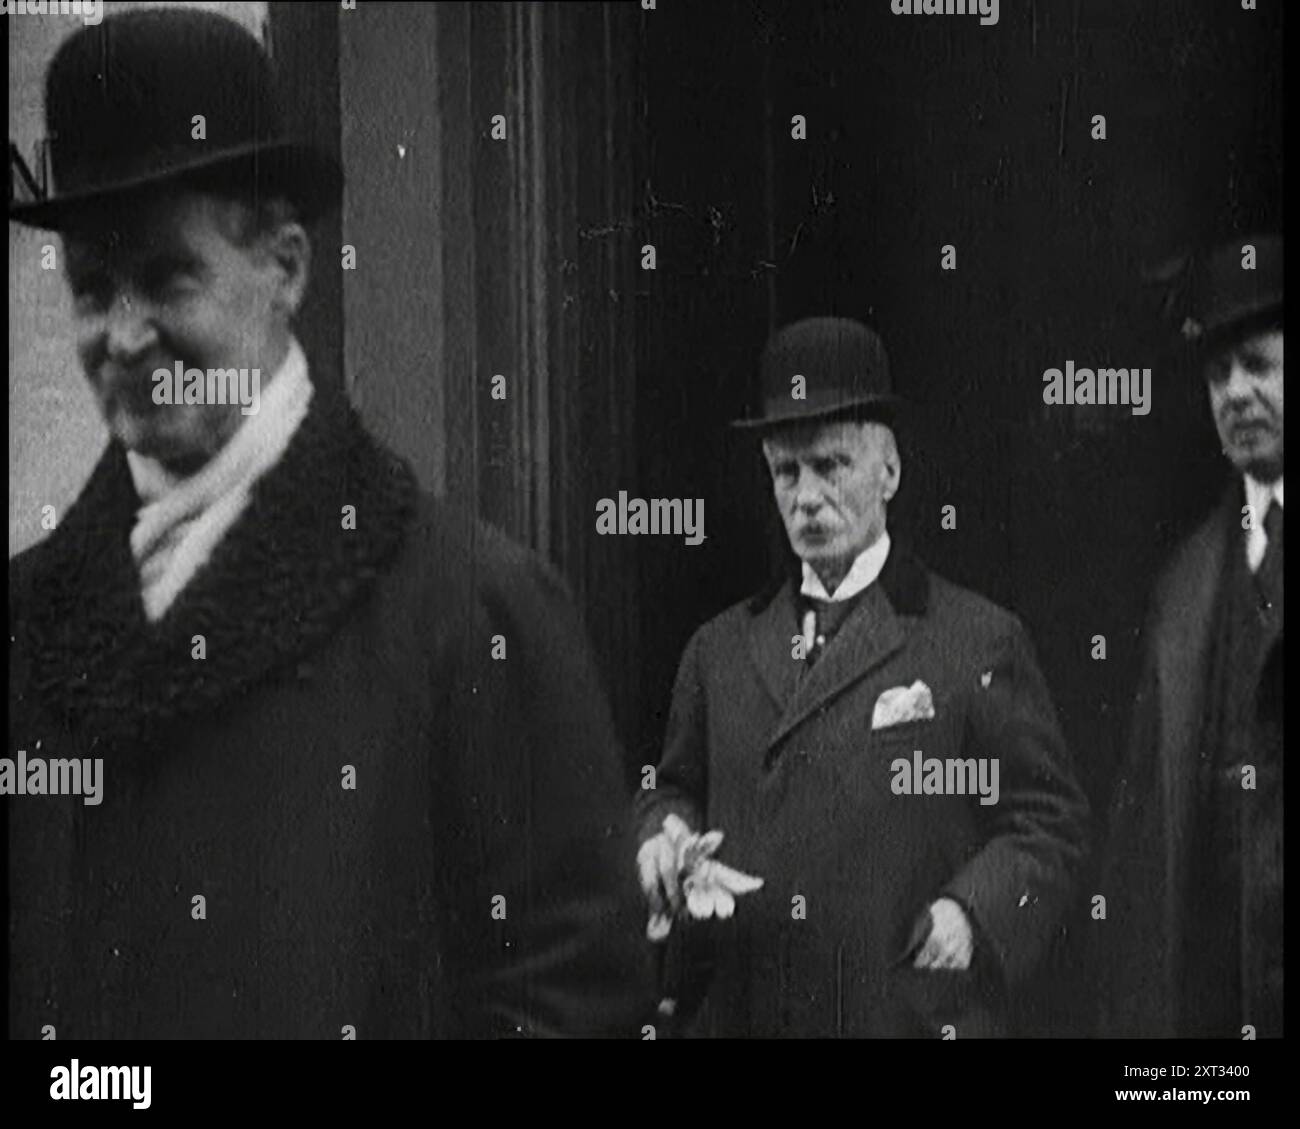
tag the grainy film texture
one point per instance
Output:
(644, 521)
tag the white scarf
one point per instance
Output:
(182, 519)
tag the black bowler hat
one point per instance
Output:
(845, 374)
(120, 99)
(1226, 301)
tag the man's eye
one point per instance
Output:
(92, 294)
(173, 284)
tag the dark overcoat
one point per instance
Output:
(474, 882)
(783, 759)
(1139, 948)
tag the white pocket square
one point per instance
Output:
(903, 703)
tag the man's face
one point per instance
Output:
(832, 482)
(164, 281)
(1245, 382)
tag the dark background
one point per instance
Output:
(672, 127)
(922, 131)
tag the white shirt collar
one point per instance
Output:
(1260, 494)
(862, 575)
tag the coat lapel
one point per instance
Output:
(277, 586)
(771, 645)
(876, 630)
(1183, 655)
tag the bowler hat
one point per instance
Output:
(122, 103)
(842, 369)
(1232, 288)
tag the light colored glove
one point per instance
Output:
(676, 867)
(657, 867)
(951, 942)
(711, 888)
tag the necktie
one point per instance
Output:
(1269, 576)
(827, 616)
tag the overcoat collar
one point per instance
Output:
(277, 586)
(874, 631)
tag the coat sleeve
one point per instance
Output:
(545, 918)
(1017, 886)
(681, 777)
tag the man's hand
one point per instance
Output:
(656, 863)
(950, 942)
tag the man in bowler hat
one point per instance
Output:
(890, 905)
(358, 777)
(1192, 941)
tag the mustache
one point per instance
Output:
(111, 375)
(1248, 419)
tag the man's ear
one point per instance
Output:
(893, 465)
(290, 247)
(893, 475)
